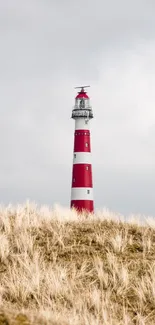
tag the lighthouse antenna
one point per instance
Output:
(82, 87)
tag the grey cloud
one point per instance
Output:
(47, 48)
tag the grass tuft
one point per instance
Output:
(61, 268)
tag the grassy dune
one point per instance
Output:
(59, 268)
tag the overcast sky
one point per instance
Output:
(47, 47)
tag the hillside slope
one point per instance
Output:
(59, 268)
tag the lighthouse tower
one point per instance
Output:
(82, 184)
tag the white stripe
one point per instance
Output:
(80, 124)
(82, 158)
(81, 193)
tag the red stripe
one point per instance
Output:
(82, 175)
(82, 131)
(82, 141)
(80, 205)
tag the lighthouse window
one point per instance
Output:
(87, 167)
(88, 191)
(74, 155)
(86, 144)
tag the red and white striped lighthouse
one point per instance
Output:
(82, 184)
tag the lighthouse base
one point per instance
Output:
(81, 205)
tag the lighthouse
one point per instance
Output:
(82, 183)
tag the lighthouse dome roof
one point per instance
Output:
(82, 94)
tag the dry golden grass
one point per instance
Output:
(60, 268)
